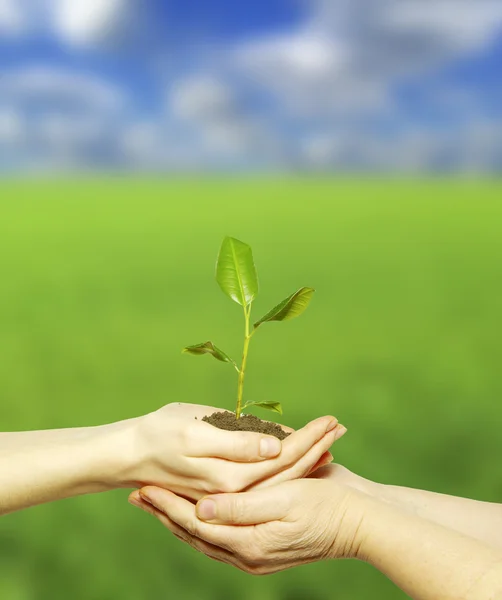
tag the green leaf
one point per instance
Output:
(290, 308)
(208, 348)
(268, 405)
(235, 271)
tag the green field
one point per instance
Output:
(103, 282)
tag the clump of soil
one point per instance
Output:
(226, 420)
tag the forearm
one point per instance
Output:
(41, 466)
(480, 520)
(426, 560)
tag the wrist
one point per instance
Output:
(114, 460)
(341, 475)
(382, 520)
(349, 521)
(366, 486)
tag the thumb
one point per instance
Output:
(247, 508)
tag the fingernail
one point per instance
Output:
(331, 425)
(269, 446)
(342, 430)
(134, 502)
(206, 510)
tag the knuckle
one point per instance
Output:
(237, 482)
(313, 431)
(222, 484)
(253, 556)
(185, 435)
(227, 486)
(190, 432)
(235, 479)
(212, 487)
(238, 547)
(192, 528)
(231, 485)
(236, 510)
(287, 458)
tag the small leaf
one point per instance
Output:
(268, 405)
(235, 271)
(290, 308)
(208, 348)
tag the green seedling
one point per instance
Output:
(236, 275)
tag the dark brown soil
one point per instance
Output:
(226, 420)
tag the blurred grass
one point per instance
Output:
(104, 281)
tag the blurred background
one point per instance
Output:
(356, 145)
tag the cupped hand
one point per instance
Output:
(174, 449)
(265, 531)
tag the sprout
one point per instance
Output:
(237, 277)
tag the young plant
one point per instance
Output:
(236, 275)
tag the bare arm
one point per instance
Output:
(428, 560)
(479, 520)
(41, 466)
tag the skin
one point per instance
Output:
(334, 514)
(479, 520)
(172, 448)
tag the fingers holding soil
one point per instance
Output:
(314, 458)
(300, 452)
(235, 446)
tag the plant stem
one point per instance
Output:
(242, 371)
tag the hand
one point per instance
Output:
(287, 525)
(174, 449)
(343, 476)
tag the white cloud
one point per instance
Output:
(477, 147)
(314, 95)
(51, 116)
(309, 73)
(201, 98)
(143, 144)
(11, 18)
(59, 131)
(348, 53)
(306, 54)
(212, 112)
(333, 77)
(459, 25)
(74, 22)
(400, 37)
(321, 151)
(11, 127)
(155, 145)
(67, 88)
(85, 22)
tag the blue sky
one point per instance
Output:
(281, 85)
